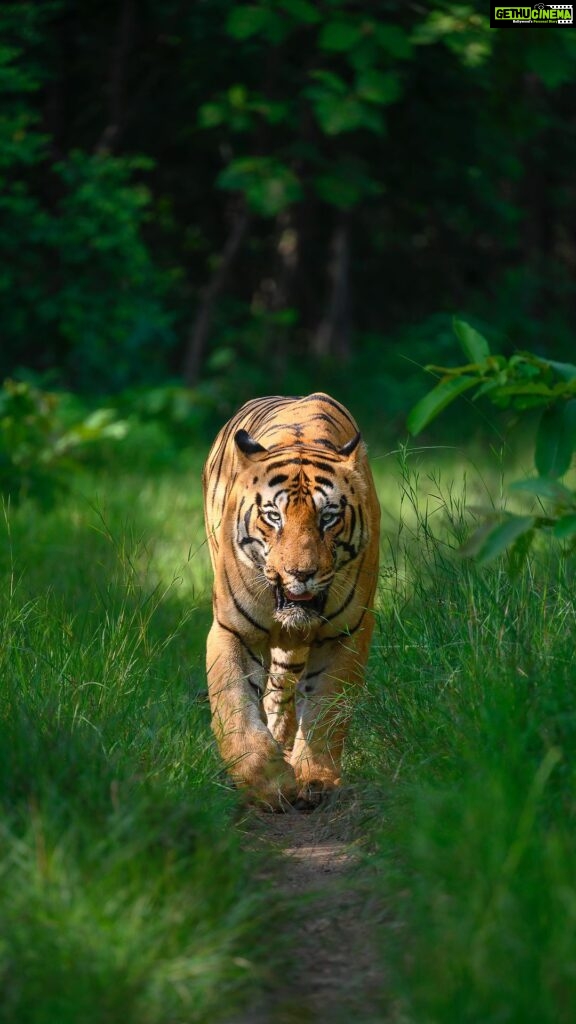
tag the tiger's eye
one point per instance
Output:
(272, 516)
(329, 518)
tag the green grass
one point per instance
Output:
(125, 895)
(466, 741)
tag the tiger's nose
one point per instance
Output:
(302, 575)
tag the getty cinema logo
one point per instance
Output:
(536, 14)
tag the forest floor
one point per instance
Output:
(314, 869)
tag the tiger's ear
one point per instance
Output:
(350, 446)
(247, 444)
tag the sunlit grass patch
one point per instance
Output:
(124, 893)
(465, 741)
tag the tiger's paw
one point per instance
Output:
(314, 793)
(271, 785)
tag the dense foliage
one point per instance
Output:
(523, 382)
(42, 438)
(187, 189)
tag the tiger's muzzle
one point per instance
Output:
(298, 610)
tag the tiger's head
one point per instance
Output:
(299, 520)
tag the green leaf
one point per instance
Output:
(474, 344)
(337, 191)
(565, 527)
(247, 20)
(436, 400)
(334, 82)
(523, 402)
(394, 40)
(337, 114)
(466, 33)
(302, 10)
(270, 110)
(552, 63)
(548, 490)
(345, 182)
(567, 371)
(340, 36)
(527, 389)
(237, 95)
(525, 365)
(210, 115)
(269, 186)
(490, 541)
(556, 439)
(378, 86)
(488, 386)
(365, 55)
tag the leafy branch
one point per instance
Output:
(521, 382)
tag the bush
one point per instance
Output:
(37, 449)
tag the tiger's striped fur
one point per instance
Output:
(292, 520)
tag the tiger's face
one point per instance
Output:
(299, 522)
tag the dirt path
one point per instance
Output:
(333, 971)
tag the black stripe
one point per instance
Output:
(279, 689)
(326, 400)
(219, 469)
(312, 675)
(239, 607)
(352, 520)
(339, 636)
(243, 644)
(274, 428)
(350, 595)
(266, 406)
(348, 548)
(220, 452)
(325, 443)
(296, 461)
(294, 666)
(251, 540)
(324, 416)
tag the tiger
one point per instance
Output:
(293, 525)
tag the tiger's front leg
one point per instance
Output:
(287, 663)
(252, 755)
(323, 715)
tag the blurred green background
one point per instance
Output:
(247, 198)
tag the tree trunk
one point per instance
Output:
(116, 85)
(200, 328)
(275, 295)
(332, 337)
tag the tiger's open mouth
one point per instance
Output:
(298, 605)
